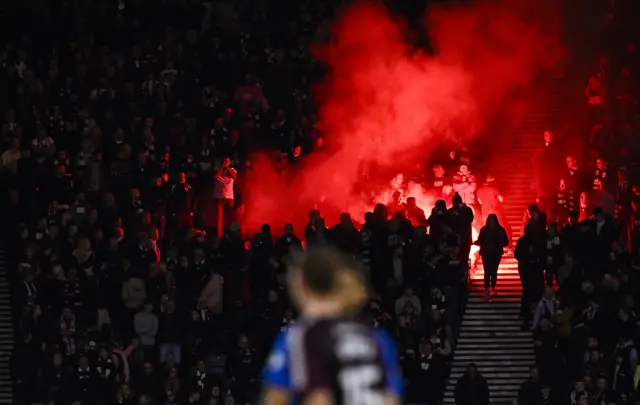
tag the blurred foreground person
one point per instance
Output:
(327, 357)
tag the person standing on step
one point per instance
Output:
(492, 241)
(461, 216)
(545, 166)
(464, 184)
(574, 177)
(546, 308)
(490, 201)
(225, 178)
(530, 256)
(472, 388)
(554, 254)
(530, 392)
(565, 202)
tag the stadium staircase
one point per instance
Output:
(491, 334)
(6, 334)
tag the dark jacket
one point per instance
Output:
(530, 393)
(492, 241)
(472, 391)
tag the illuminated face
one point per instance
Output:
(597, 184)
(571, 162)
(548, 136)
(600, 164)
(397, 197)
(563, 185)
(583, 198)
(438, 171)
(464, 170)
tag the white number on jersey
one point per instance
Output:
(357, 384)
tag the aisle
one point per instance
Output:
(491, 333)
(491, 336)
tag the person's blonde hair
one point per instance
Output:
(328, 273)
(351, 290)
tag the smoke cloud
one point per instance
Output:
(385, 101)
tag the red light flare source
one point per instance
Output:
(386, 102)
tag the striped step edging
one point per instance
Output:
(6, 334)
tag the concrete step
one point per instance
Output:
(6, 334)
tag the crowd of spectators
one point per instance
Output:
(123, 123)
(580, 248)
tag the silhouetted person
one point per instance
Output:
(286, 242)
(180, 205)
(319, 235)
(565, 202)
(437, 219)
(530, 392)
(603, 175)
(344, 235)
(529, 255)
(462, 219)
(415, 214)
(623, 193)
(553, 254)
(396, 205)
(472, 388)
(574, 176)
(309, 230)
(492, 240)
(546, 168)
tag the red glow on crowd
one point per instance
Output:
(425, 200)
(387, 103)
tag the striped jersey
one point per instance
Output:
(355, 362)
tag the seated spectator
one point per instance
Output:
(408, 298)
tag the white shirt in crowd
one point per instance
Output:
(43, 143)
(224, 184)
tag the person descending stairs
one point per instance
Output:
(491, 334)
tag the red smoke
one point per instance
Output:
(387, 102)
